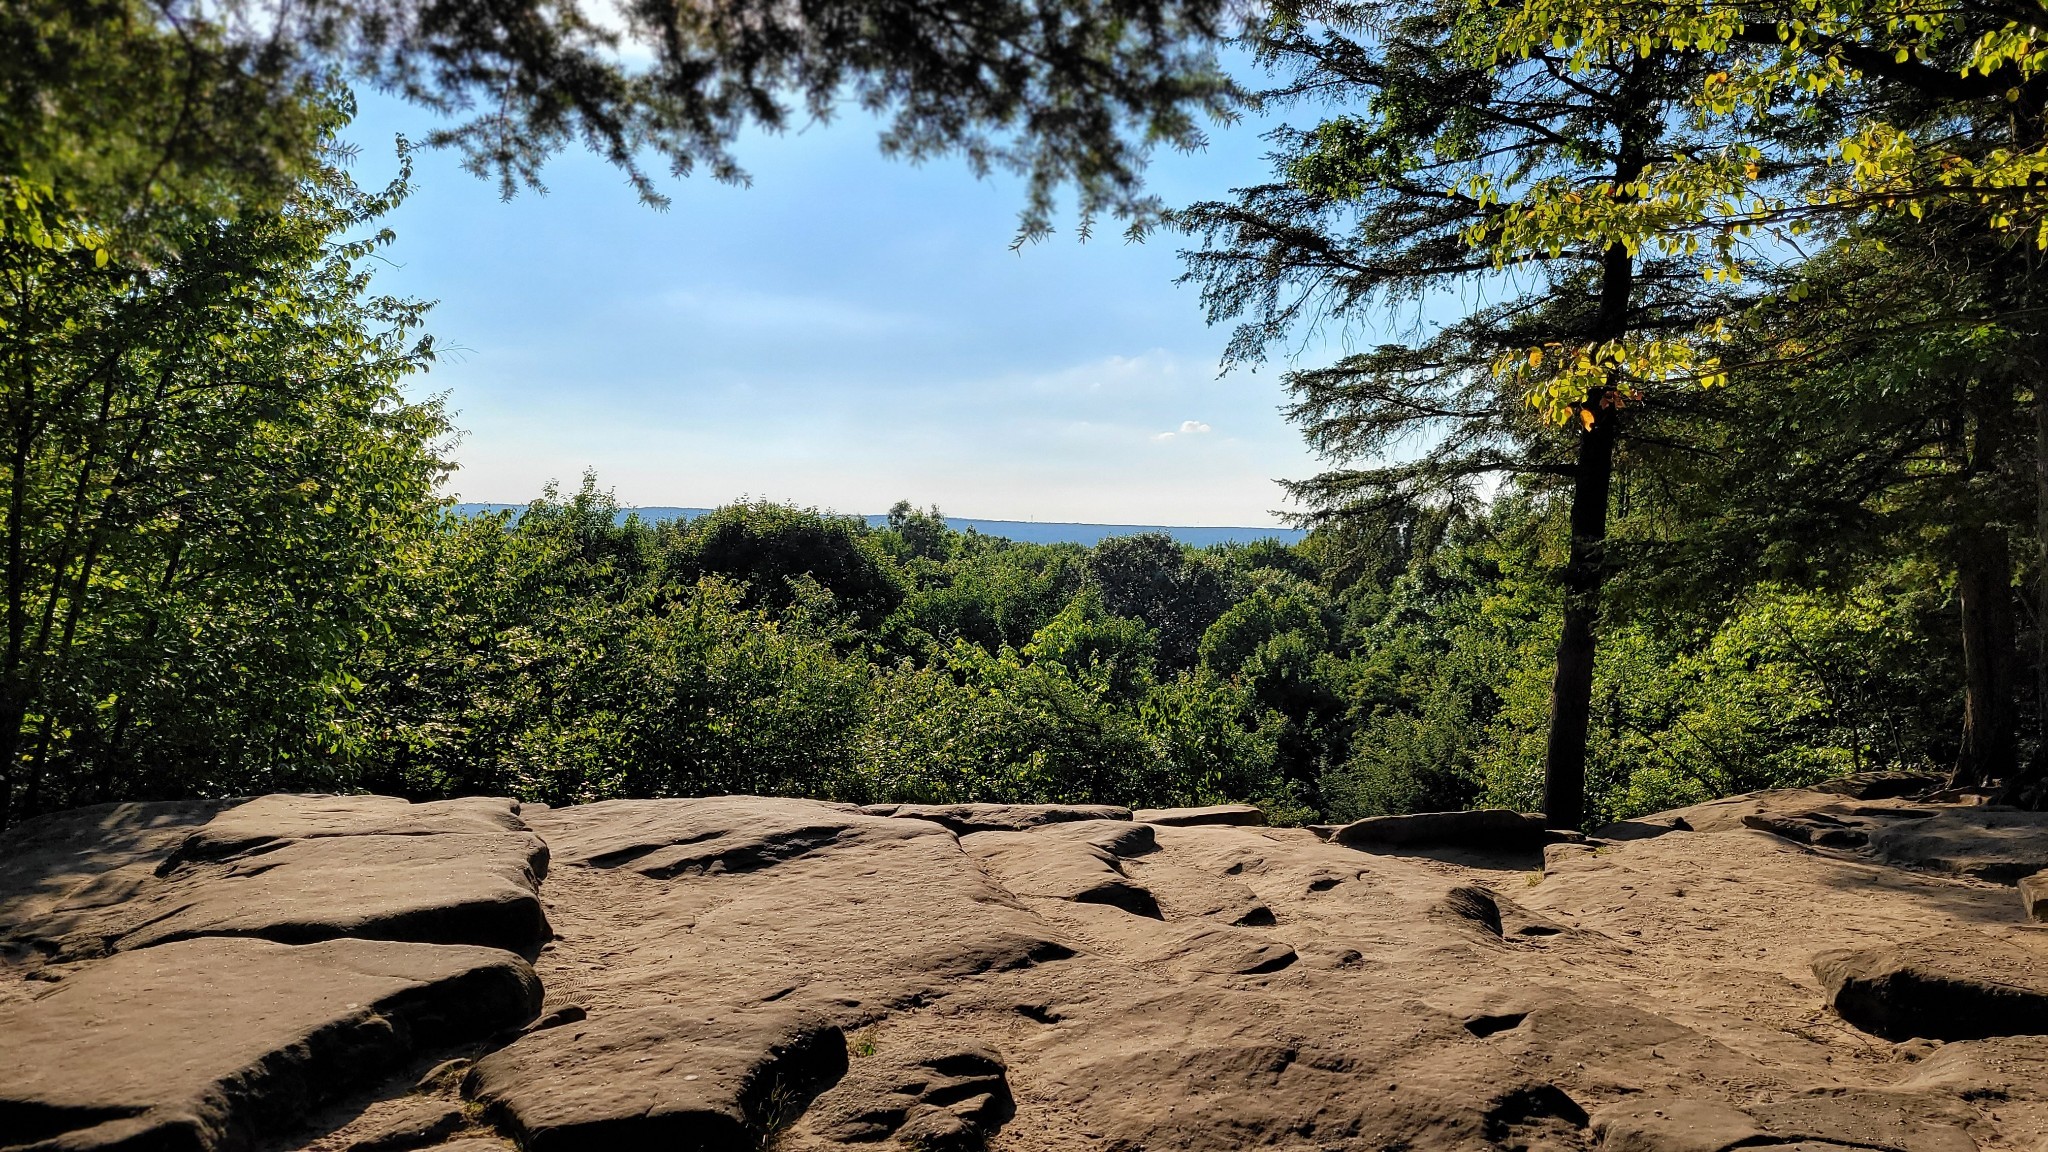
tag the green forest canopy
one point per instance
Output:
(1730, 469)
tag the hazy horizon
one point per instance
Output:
(1086, 533)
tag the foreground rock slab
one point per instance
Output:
(1233, 815)
(269, 820)
(1886, 1121)
(928, 1096)
(1489, 828)
(744, 898)
(2034, 895)
(1998, 845)
(1079, 861)
(664, 1079)
(749, 973)
(1656, 1124)
(1959, 986)
(966, 819)
(203, 1045)
(297, 869)
(57, 868)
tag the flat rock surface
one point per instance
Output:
(1236, 815)
(1481, 828)
(1979, 841)
(271, 819)
(2034, 895)
(742, 972)
(1955, 986)
(970, 818)
(926, 1095)
(71, 863)
(299, 869)
(663, 1076)
(413, 1124)
(1080, 861)
(203, 1043)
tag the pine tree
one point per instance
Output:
(1072, 94)
(1828, 117)
(1401, 203)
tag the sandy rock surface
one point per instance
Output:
(290, 869)
(211, 1043)
(1803, 971)
(1238, 815)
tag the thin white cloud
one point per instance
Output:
(1187, 428)
(1152, 373)
(793, 315)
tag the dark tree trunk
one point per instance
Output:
(10, 740)
(14, 684)
(2040, 564)
(1571, 688)
(2028, 787)
(1988, 750)
(1990, 708)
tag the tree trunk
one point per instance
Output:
(1989, 747)
(1636, 120)
(1990, 710)
(15, 687)
(2040, 762)
(1571, 688)
(8, 751)
(2028, 787)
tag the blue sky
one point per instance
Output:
(846, 332)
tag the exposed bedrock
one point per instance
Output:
(208, 1044)
(1955, 986)
(1814, 1122)
(1483, 828)
(1236, 815)
(966, 819)
(298, 869)
(748, 973)
(930, 1095)
(1081, 861)
(661, 1077)
(246, 964)
(1999, 845)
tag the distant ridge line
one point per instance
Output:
(1023, 531)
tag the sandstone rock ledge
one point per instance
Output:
(1792, 970)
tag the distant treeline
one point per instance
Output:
(1022, 531)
